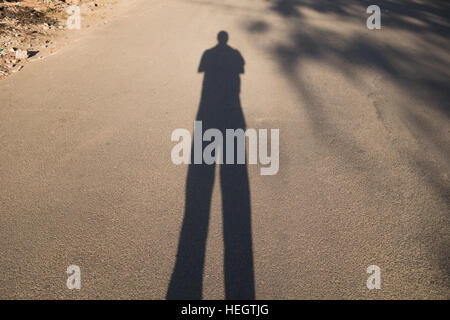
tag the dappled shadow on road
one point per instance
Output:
(419, 72)
(415, 62)
(417, 16)
(220, 109)
(410, 69)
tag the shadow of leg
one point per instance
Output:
(187, 277)
(238, 260)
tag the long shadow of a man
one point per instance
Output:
(220, 108)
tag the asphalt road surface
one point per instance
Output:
(86, 176)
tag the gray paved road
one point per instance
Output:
(86, 176)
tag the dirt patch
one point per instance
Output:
(33, 29)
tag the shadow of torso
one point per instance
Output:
(220, 105)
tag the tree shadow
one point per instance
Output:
(220, 109)
(421, 74)
(415, 63)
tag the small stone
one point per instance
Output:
(21, 54)
(18, 69)
(4, 71)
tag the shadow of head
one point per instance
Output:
(222, 38)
